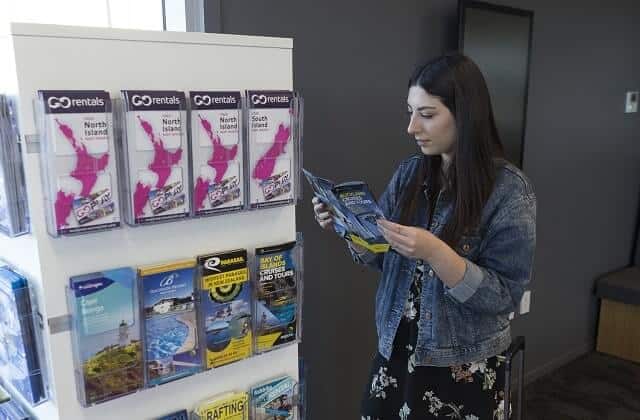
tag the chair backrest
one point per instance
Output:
(620, 286)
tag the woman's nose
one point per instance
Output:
(413, 126)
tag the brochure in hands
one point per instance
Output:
(355, 211)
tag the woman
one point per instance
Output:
(461, 225)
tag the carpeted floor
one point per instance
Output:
(593, 387)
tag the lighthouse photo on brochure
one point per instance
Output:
(106, 334)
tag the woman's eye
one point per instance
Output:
(427, 116)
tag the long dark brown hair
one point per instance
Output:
(459, 84)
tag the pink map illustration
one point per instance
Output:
(85, 171)
(264, 167)
(160, 165)
(220, 158)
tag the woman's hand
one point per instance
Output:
(323, 216)
(418, 243)
(410, 241)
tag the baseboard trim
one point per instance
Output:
(554, 364)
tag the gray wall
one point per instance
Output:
(636, 259)
(583, 155)
(351, 62)
(636, 244)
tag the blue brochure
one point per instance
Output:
(355, 209)
(19, 357)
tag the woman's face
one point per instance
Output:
(431, 123)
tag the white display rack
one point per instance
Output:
(62, 57)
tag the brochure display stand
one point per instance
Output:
(13, 201)
(44, 59)
(79, 170)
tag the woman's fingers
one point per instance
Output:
(325, 224)
(322, 215)
(322, 211)
(395, 238)
(319, 207)
(396, 242)
(393, 227)
(325, 215)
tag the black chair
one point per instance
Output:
(517, 346)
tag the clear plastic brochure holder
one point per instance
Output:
(227, 406)
(10, 408)
(79, 170)
(14, 211)
(22, 361)
(177, 415)
(106, 335)
(171, 339)
(226, 307)
(155, 156)
(278, 295)
(278, 398)
(217, 152)
(273, 125)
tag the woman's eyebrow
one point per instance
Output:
(426, 107)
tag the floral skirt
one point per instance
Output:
(397, 389)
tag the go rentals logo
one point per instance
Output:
(262, 99)
(148, 100)
(207, 100)
(64, 102)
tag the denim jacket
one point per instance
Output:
(468, 322)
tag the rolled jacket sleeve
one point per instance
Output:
(469, 284)
(496, 280)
